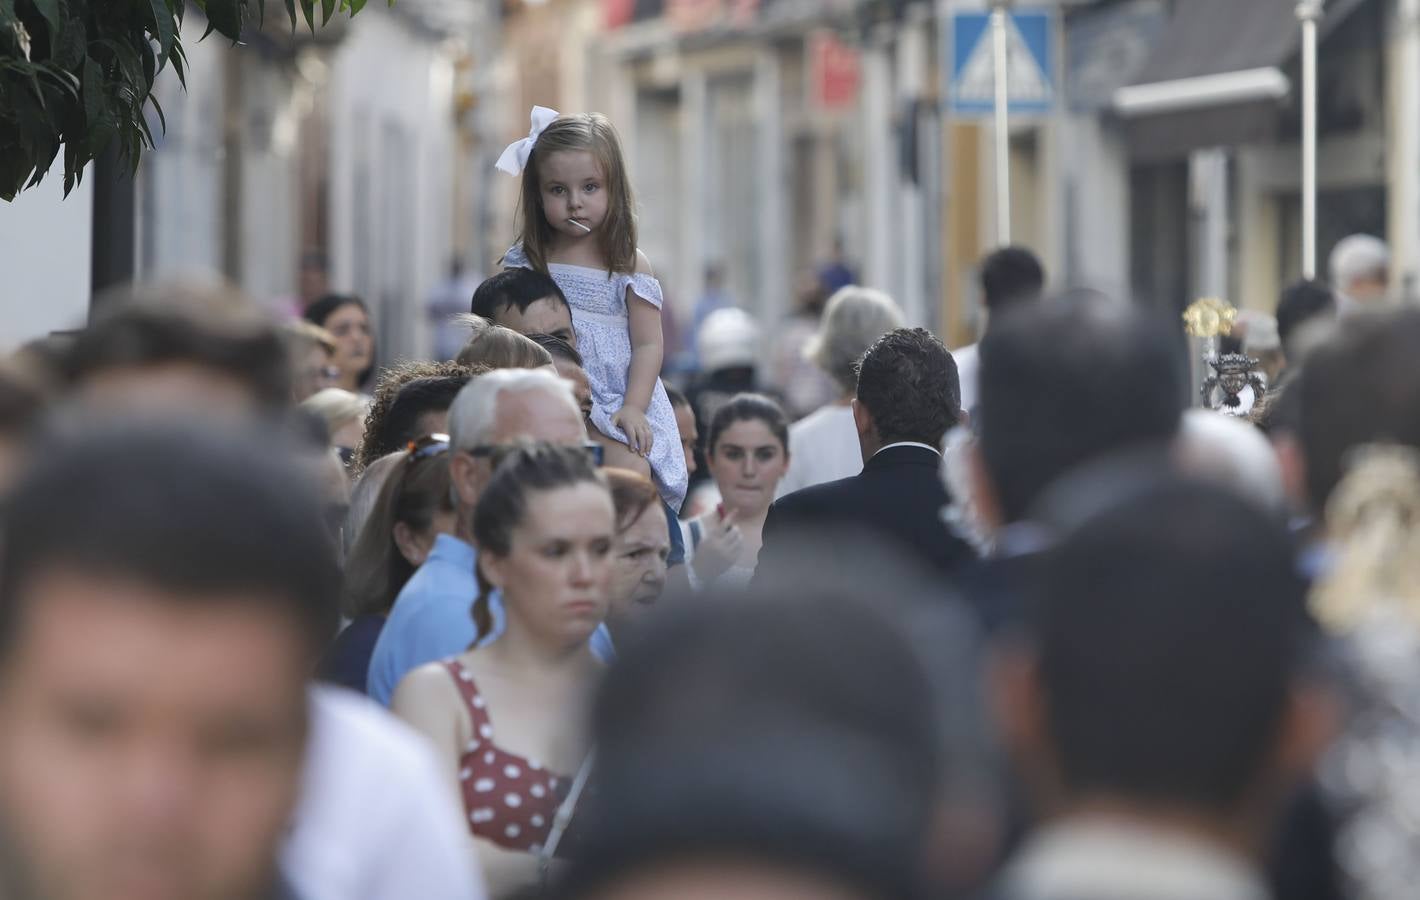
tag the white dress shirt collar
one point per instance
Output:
(910, 444)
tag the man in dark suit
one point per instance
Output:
(908, 396)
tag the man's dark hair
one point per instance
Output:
(519, 288)
(1300, 303)
(212, 516)
(558, 347)
(1361, 387)
(756, 771)
(908, 382)
(1169, 629)
(677, 397)
(1066, 384)
(215, 328)
(1011, 275)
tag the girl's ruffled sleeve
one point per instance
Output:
(647, 287)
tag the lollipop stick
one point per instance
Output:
(580, 225)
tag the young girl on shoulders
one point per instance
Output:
(578, 225)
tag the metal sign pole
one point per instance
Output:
(1003, 123)
(1309, 11)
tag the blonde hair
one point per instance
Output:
(496, 347)
(301, 336)
(337, 407)
(594, 133)
(1373, 522)
(1370, 599)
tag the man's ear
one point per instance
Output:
(1018, 707)
(491, 567)
(862, 419)
(1293, 464)
(1309, 724)
(463, 478)
(407, 542)
(984, 498)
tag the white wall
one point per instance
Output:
(45, 252)
(179, 201)
(392, 151)
(1095, 208)
(181, 211)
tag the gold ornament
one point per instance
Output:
(1209, 318)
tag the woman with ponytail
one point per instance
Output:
(506, 717)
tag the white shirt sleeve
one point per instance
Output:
(376, 821)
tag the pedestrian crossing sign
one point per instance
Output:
(1030, 65)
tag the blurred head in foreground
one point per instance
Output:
(742, 753)
(1063, 385)
(181, 350)
(164, 596)
(1192, 593)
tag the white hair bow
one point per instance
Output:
(515, 158)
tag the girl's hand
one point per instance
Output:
(719, 549)
(633, 424)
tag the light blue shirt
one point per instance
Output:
(432, 618)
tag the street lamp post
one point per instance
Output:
(1002, 120)
(1309, 12)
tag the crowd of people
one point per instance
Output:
(1016, 621)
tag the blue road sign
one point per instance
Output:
(1030, 55)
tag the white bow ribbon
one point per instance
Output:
(515, 158)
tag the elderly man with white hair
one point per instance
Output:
(823, 446)
(431, 618)
(1360, 273)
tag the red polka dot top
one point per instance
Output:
(510, 800)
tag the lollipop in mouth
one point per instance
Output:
(580, 225)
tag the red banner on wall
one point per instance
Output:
(617, 13)
(834, 72)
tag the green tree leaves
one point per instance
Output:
(78, 74)
(164, 28)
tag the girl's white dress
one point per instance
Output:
(599, 315)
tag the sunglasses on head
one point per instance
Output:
(427, 446)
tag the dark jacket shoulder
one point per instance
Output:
(899, 496)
